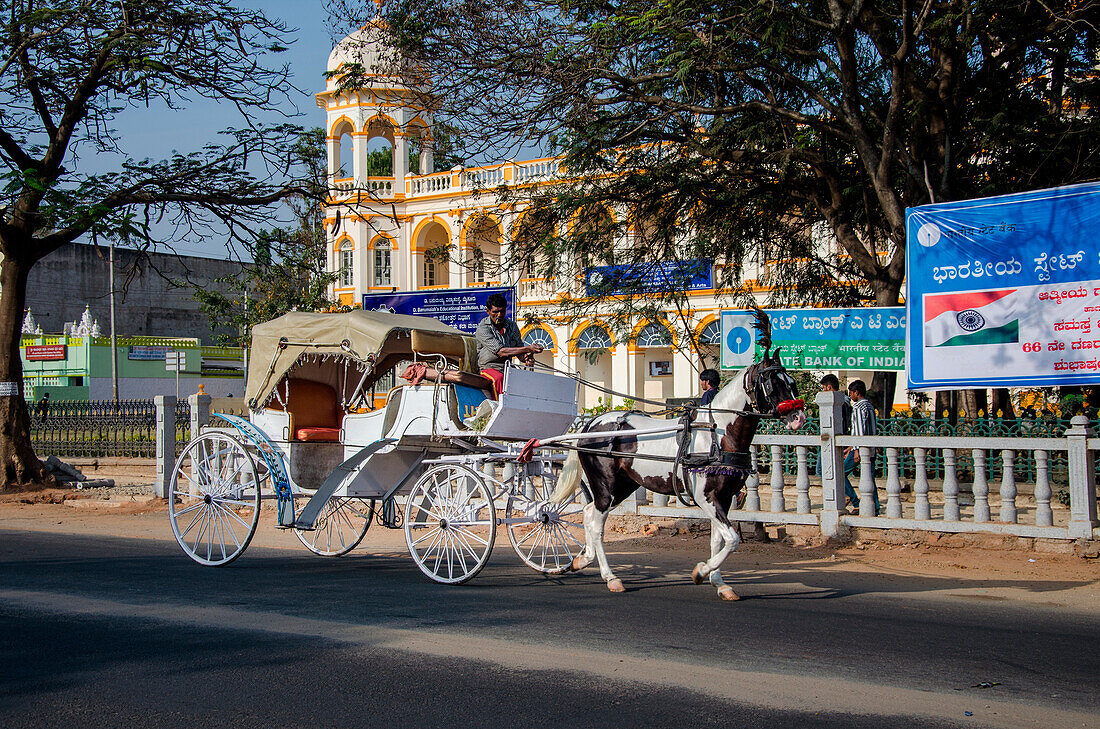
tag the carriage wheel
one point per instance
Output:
(341, 525)
(450, 524)
(553, 534)
(214, 499)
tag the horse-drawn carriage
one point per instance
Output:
(333, 455)
(322, 445)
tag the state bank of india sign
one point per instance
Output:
(820, 339)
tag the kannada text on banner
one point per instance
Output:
(821, 339)
(1005, 291)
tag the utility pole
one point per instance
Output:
(114, 340)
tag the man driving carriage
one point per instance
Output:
(498, 340)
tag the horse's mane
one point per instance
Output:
(764, 326)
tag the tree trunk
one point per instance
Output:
(21, 469)
(883, 385)
(1002, 404)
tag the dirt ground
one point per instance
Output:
(985, 569)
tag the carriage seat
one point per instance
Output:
(314, 411)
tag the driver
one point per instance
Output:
(498, 340)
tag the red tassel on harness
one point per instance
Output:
(788, 405)
(528, 451)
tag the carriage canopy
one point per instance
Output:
(325, 347)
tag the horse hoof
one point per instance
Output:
(696, 576)
(616, 585)
(578, 563)
(726, 593)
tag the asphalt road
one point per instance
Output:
(111, 632)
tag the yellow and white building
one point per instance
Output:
(421, 229)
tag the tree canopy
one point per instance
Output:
(791, 134)
(68, 69)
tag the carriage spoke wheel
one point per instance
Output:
(553, 534)
(214, 499)
(450, 524)
(341, 525)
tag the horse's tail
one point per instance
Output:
(569, 480)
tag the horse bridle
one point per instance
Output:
(758, 384)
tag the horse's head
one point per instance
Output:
(773, 391)
(770, 387)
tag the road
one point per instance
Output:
(99, 631)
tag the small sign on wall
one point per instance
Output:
(45, 352)
(660, 368)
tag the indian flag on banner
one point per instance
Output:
(971, 317)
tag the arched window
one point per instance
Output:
(538, 335)
(347, 264)
(711, 334)
(655, 335)
(594, 337)
(382, 262)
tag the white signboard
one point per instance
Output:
(175, 361)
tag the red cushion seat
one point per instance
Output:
(318, 435)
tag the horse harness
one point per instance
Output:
(716, 461)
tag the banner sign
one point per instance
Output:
(461, 308)
(690, 275)
(820, 339)
(44, 352)
(1005, 291)
(147, 352)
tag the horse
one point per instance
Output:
(763, 389)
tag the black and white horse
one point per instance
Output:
(648, 460)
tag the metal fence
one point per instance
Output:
(99, 428)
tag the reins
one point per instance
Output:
(666, 409)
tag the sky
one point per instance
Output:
(156, 132)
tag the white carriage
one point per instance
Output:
(332, 454)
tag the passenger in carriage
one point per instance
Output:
(498, 340)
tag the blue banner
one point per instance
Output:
(1005, 291)
(638, 278)
(461, 308)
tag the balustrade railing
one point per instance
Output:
(1023, 478)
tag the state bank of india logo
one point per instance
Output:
(595, 278)
(928, 235)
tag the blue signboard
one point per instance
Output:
(1005, 291)
(820, 339)
(461, 308)
(691, 275)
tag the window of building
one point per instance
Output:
(382, 261)
(429, 270)
(594, 337)
(347, 264)
(711, 334)
(538, 335)
(655, 335)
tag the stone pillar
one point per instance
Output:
(427, 155)
(200, 411)
(1082, 479)
(832, 463)
(455, 277)
(166, 443)
(400, 159)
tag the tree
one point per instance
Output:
(69, 68)
(774, 127)
(290, 265)
(790, 134)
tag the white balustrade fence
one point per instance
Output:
(963, 500)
